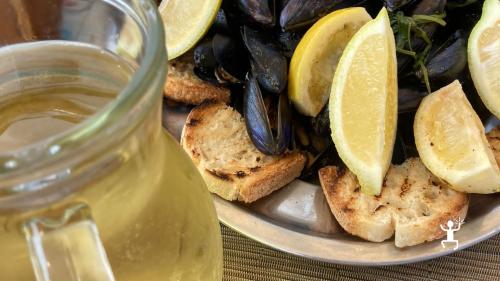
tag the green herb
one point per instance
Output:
(408, 28)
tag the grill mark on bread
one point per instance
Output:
(241, 174)
(220, 175)
(255, 169)
(379, 207)
(193, 122)
(404, 187)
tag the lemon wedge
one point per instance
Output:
(185, 22)
(316, 57)
(451, 142)
(484, 56)
(363, 103)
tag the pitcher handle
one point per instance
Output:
(65, 246)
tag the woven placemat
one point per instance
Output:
(245, 259)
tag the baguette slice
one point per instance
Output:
(216, 139)
(412, 205)
(184, 86)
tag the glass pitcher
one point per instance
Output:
(91, 186)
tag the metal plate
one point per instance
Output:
(296, 219)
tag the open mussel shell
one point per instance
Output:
(268, 62)
(257, 120)
(260, 11)
(449, 60)
(230, 56)
(298, 14)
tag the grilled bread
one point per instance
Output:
(184, 86)
(216, 138)
(412, 205)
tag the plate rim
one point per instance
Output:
(284, 245)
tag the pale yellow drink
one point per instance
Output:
(154, 214)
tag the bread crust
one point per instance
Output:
(412, 206)
(234, 178)
(183, 86)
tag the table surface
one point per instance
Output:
(245, 259)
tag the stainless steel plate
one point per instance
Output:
(296, 219)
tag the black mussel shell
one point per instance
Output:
(221, 24)
(448, 62)
(288, 42)
(298, 14)
(429, 7)
(230, 56)
(399, 153)
(268, 63)
(257, 120)
(394, 5)
(204, 58)
(325, 158)
(409, 99)
(321, 123)
(260, 11)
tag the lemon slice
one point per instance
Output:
(363, 103)
(317, 55)
(185, 22)
(484, 56)
(451, 142)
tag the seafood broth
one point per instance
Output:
(154, 214)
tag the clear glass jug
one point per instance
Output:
(91, 187)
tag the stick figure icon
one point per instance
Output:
(450, 231)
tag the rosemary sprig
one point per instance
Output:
(408, 28)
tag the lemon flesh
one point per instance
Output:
(316, 57)
(484, 56)
(363, 103)
(451, 142)
(185, 22)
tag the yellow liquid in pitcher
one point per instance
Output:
(154, 215)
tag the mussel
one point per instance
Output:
(394, 5)
(409, 99)
(297, 14)
(321, 123)
(288, 42)
(260, 11)
(269, 139)
(268, 63)
(448, 61)
(221, 59)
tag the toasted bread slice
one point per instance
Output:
(494, 139)
(216, 138)
(184, 86)
(412, 205)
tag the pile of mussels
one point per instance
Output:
(250, 44)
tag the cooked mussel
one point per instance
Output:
(394, 5)
(448, 61)
(260, 11)
(288, 42)
(268, 63)
(297, 14)
(271, 140)
(321, 123)
(409, 99)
